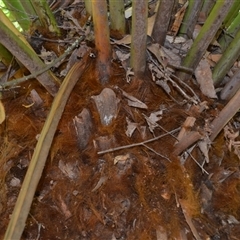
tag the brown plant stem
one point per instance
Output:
(139, 37)
(102, 39)
(162, 20)
(225, 115)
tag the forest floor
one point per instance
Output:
(112, 171)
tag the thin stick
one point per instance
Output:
(138, 144)
(157, 153)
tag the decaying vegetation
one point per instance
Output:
(117, 122)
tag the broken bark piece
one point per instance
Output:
(186, 128)
(37, 100)
(83, 125)
(231, 87)
(107, 105)
(105, 142)
(186, 142)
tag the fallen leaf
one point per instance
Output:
(178, 18)
(172, 58)
(47, 56)
(101, 181)
(203, 75)
(158, 53)
(129, 74)
(69, 169)
(153, 119)
(122, 56)
(134, 102)
(121, 158)
(173, 39)
(126, 40)
(204, 148)
(15, 182)
(131, 126)
(151, 21)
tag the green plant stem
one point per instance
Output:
(207, 7)
(88, 6)
(117, 17)
(205, 36)
(46, 16)
(28, 58)
(16, 9)
(190, 18)
(229, 34)
(233, 12)
(46, 68)
(227, 60)
(5, 56)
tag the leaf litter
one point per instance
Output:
(124, 181)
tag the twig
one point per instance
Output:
(34, 75)
(195, 160)
(190, 70)
(138, 144)
(187, 141)
(50, 40)
(157, 153)
(186, 85)
(189, 152)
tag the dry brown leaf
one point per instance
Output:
(188, 217)
(101, 181)
(214, 58)
(230, 137)
(131, 126)
(173, 39)
(121, 158)
(204, 148)
(151, 21)
(178, 18)
(203, 75)
(69, 169)
(157, 52)
(153, 119)
(172, 58)
(126, 40)
(122, 56)
(134, 102)
(47, 56)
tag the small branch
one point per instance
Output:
(157, 153)
(138, 144)
(195, 160)
(186, 85)
(34, 75)
(187, 141)
(178, 67)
